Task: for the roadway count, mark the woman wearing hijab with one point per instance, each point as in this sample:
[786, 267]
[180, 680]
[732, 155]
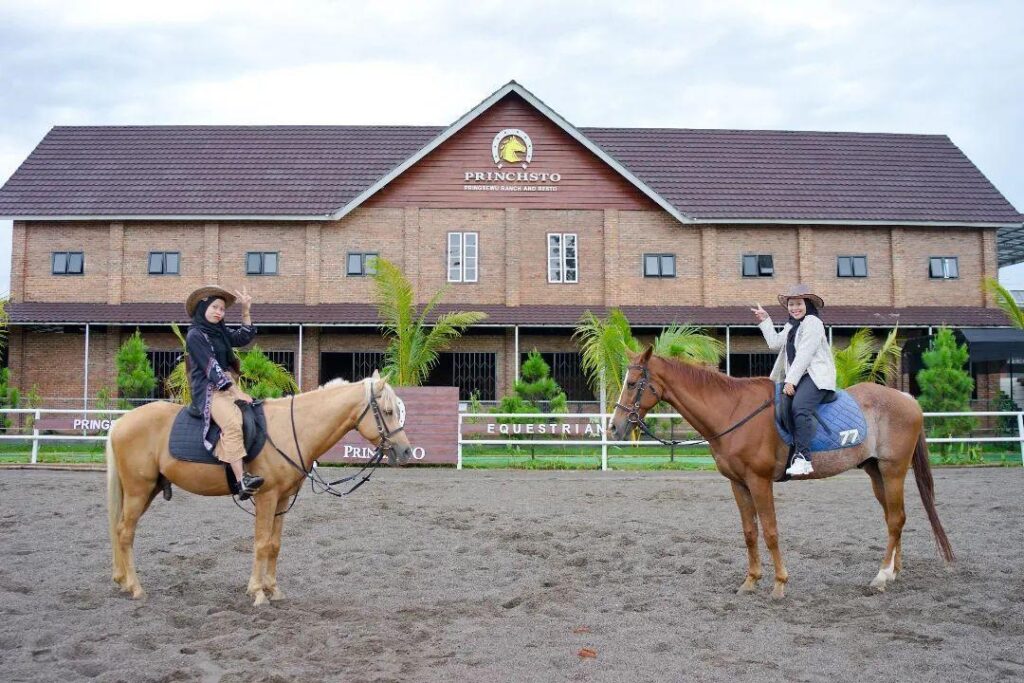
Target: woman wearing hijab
[805, 364]
[214, 371]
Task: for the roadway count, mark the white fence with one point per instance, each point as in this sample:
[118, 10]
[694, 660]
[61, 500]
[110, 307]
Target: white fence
[598, 420]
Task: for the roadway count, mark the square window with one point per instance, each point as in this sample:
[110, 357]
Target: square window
[845, 267]
[952, 269]
[765, 266]
[171, 259]
[370, 264]
[156, 263]
[76, 263]
[355, 264]
[749, 266]
[60, 262]
[668, 265]
[860, 266]
[652, 265]
[758, 265]
[270, 263]
[253, 263]
[944, 267]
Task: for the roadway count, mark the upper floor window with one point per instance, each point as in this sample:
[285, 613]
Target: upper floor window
[68, 263]
[261, 263]
[852, 266]
[758, 265]
[164, 262]
[462, 257]
[943, 267]
[361, 263]
[562, 257]
[659, 265]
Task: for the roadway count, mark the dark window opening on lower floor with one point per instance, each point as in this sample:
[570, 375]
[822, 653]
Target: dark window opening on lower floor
[349, 365]
[749, 364]
[469, 371]
[567, 371]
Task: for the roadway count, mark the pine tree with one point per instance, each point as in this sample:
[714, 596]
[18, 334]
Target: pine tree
[945, 386]
[135, 376]
[9, 396]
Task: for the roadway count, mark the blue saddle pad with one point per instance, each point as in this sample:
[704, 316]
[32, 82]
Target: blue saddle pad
[841, 423]
[186, 441]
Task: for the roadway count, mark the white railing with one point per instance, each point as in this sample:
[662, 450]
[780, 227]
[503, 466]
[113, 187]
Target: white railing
[599, 420]
[604, 419]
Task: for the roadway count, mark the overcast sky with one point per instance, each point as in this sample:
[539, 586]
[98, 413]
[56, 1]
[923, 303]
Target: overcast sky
[953, 67]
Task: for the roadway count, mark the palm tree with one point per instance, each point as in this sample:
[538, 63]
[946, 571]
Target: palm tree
[603, 345]
[1006, 302]
[864, 361]
[413, 346]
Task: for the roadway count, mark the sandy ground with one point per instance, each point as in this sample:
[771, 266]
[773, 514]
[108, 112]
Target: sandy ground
[435, 575]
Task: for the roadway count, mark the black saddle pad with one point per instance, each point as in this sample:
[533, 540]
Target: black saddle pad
[186, 442]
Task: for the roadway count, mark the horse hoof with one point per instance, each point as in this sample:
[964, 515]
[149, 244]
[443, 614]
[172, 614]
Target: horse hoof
[138, 593]
[778, 593]
[878, 584]
[276, 595]
[261, 599]
[749, 586]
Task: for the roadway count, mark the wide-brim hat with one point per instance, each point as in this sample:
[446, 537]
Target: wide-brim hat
[206, 292]
[800, 292]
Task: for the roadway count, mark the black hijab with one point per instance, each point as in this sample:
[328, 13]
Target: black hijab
[791, 339]
[218, 333]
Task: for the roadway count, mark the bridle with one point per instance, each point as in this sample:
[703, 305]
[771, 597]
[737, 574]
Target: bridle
[633, 411]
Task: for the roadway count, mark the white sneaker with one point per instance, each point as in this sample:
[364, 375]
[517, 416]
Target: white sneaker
[801, 466]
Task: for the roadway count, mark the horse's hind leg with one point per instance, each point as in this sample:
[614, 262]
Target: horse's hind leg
[878, 486]
[135, 505]
[748, 514]
[892, 475]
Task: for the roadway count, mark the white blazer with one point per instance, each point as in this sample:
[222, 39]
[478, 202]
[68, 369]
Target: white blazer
[813, 353]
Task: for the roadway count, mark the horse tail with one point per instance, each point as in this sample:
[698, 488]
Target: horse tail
[926, 487]
[115, 494]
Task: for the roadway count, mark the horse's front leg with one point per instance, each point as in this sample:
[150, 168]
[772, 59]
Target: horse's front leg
[266, 504]
[270, 577]
[748, 514]
[764, 502]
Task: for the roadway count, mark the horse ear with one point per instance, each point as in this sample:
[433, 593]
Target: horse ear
[375, 376]
[646, 355]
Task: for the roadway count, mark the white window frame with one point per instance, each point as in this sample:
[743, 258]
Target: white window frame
[463, 263]
[557, 263]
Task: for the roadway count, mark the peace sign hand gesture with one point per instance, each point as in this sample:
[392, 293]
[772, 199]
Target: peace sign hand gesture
[244, 298]
[760, 313]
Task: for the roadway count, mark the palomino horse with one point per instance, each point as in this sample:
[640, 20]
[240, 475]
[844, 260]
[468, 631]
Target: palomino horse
[752, 456]
[138, 461]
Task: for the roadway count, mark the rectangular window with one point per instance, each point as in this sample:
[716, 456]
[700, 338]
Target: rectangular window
[163, 262]
[68, 263]
[563, 261]
[943, 267]
[360, 263]
[463, 257]
[852, 266]
[758, 265]
[659, 265]
[261, 263]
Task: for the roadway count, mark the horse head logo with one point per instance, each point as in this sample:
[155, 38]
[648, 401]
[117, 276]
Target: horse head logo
[512, 146]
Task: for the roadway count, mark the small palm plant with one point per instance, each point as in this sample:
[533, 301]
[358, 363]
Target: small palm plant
[413, 345]
[603, 345]
[864, 361]
[1006, 302]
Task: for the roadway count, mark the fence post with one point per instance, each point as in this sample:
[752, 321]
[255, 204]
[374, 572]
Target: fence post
[458, 464]
[604, 441]
[1020, 435]
[35, 439]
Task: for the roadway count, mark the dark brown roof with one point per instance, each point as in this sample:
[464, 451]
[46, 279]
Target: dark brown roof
[554, 316]
[316, 170]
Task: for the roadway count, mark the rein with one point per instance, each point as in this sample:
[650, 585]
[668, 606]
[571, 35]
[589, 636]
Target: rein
[317, 483]
[633, 412]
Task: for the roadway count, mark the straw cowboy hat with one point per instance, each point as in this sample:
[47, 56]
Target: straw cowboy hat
[800, 292]
[205, 292]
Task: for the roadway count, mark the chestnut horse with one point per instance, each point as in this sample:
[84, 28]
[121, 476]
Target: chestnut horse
[138, 462]
[753, 456]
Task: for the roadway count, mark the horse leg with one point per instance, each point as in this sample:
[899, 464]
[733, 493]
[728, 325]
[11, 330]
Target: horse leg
[266, 504]
[764, 502]
[270, 578]
[135, 505]
[878, 486]
[893, 476]
[748, 513]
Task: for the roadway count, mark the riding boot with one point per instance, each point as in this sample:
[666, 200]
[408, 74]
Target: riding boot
[249, 484]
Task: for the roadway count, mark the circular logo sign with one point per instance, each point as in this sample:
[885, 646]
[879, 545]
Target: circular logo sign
[512, 146]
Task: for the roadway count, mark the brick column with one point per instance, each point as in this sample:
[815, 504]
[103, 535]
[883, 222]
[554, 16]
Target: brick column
[709, 273]
[312, 265]
[611, 257]
[410, 264]
[115, 263]
[19, 252]
[15, 358]
[899, 266]
[310, 358]
[211, 253]
[989, 264]
[805, 254]
[513, 256]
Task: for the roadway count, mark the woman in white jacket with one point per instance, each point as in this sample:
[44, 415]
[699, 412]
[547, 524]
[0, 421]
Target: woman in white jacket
[805, 364]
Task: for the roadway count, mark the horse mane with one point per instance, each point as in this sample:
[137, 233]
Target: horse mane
[694, 373]
[333, 383]
[387, 397]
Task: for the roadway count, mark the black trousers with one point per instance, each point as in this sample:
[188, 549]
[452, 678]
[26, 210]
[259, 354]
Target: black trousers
[798, 413]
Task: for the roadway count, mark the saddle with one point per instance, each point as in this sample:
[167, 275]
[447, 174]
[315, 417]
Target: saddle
[186, 440]
[841, 422]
